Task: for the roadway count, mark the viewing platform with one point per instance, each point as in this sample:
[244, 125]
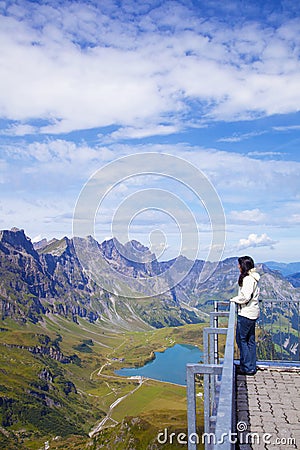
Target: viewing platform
[268, 408]
[260, 412]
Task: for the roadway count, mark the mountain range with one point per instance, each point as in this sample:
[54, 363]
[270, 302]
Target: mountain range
[284, 268]
[48, 278]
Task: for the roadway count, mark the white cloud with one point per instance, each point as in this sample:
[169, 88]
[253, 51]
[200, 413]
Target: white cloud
[287, 128]
[143, 132]
[248, 216]
[19, 130]
[53, 163]
[241, 137]
[239, 179]
[266, 154]
[254, 240]
[80, 66]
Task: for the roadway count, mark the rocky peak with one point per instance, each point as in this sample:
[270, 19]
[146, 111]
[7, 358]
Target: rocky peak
[56, 247]
[40, 245]
[136, 245]
[17, 239]
[137, 252]
[110, 248]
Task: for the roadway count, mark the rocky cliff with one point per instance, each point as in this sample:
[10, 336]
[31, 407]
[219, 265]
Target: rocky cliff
[51, 280]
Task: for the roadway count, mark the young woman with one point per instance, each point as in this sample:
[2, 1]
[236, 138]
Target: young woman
[248, 312]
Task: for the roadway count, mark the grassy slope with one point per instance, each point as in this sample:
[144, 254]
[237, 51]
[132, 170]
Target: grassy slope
[156, 405]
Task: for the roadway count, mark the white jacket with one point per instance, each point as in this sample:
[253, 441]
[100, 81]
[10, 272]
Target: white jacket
[247, 298]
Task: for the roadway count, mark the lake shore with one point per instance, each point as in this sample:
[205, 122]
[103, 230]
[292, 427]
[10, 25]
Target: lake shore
[167, 366]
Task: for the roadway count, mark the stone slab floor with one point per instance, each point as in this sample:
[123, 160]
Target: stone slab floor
[268, 409]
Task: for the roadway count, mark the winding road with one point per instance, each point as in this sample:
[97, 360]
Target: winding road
[101, 424]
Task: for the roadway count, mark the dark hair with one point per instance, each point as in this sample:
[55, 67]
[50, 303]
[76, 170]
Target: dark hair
[246, 263]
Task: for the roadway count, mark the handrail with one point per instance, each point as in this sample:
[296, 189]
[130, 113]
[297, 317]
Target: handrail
[225, 423]
[219, 393]
[224, 409]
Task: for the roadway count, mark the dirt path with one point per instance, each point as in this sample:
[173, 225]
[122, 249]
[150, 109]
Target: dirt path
[101, 424]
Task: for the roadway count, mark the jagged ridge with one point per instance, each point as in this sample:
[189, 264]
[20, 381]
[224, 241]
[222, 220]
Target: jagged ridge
[51, 280]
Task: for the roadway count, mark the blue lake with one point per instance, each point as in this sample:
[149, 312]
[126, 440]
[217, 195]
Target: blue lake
[169, 365]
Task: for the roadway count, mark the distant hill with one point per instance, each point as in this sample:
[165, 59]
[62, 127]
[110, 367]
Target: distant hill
[294, 279]
[284, 268]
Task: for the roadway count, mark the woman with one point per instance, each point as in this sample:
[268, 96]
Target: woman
[248, 312]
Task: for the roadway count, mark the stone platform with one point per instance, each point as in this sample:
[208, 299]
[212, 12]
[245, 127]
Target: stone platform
[268, 409]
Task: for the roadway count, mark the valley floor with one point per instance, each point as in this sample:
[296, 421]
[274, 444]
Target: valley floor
[84, 403]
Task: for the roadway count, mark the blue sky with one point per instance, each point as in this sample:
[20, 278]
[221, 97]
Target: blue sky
[214, 83]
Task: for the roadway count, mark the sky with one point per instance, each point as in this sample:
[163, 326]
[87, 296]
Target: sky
[211, 88]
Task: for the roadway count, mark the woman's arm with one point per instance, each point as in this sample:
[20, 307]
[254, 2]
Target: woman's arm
[245, 292]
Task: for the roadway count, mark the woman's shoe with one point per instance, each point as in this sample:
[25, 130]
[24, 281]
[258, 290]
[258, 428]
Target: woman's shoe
[241, 372]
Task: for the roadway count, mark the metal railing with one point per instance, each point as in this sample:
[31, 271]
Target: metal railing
[279, 322]
[278, 330]
[219, 389]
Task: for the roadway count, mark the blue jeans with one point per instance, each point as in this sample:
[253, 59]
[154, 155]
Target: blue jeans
[245, 339]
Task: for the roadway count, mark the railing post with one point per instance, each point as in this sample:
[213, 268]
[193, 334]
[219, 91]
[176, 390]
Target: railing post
[216, 344]
[206, 403]
[191, 370]
[191, 406]
[226, 411]
[298, 348]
